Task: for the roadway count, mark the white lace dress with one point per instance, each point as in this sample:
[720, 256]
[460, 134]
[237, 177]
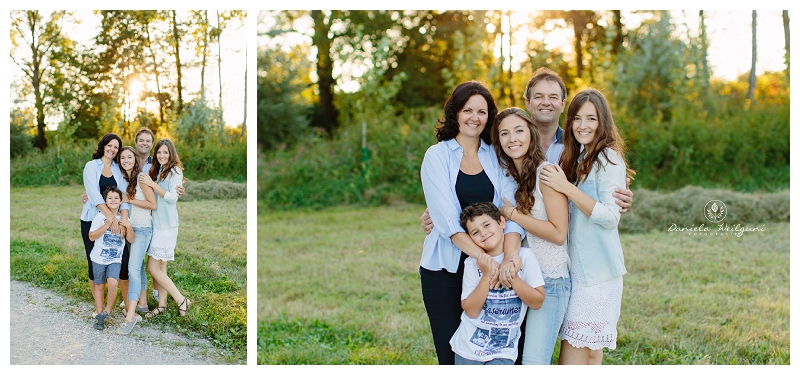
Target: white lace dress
[592, 312]
[553, 259]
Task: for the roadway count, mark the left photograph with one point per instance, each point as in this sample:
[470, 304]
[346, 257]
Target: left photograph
[128, 198]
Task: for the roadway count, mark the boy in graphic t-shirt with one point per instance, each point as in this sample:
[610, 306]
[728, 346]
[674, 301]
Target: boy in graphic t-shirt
[106, 255]
[490, 324]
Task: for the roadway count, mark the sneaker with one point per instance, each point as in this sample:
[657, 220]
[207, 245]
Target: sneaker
[142, 309]
[126, 327]
[100, 321]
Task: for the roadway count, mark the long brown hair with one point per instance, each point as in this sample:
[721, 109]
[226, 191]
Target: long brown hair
[526, 178]
[133, 177]
[174, 161]
[606, 136]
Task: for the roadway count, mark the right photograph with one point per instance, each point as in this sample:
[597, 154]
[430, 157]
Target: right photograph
[506, 187]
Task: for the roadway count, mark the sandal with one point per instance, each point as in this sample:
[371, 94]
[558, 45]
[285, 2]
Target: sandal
[152, 313]
[184, 311]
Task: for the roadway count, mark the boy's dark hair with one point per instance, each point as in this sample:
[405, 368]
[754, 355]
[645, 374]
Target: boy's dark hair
[477, 209]
[111, 189]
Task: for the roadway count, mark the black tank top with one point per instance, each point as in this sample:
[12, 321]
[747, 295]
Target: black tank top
[105, 182]
[473, 188]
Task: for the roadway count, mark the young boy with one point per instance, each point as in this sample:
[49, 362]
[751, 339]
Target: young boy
[490, 324]
[106, 255]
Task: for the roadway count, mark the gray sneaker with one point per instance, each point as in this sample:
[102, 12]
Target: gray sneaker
[126, 327]
[100, 321]
[142, 309]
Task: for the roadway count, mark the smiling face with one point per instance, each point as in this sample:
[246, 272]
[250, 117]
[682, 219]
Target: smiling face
[110, 149]
[514, 136]
[545, 104]
[127, 159]
[487, 233]
[162, 154]
[473, 116]
[585, 123]
[113, 200]
[144, 143]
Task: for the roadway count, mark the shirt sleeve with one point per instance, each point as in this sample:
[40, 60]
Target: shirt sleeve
[91, 185]
[472, 276]
[175, 180]
[531, 271]
[609, 177]
[442, 204]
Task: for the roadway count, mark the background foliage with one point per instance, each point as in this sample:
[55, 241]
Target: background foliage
[681, 126]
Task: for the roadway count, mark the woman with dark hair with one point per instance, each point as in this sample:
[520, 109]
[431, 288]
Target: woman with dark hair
[98, 174]
[459, 170]
[166, 174]
[593, 165]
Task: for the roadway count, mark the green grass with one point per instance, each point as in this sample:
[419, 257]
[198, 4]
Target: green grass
[341, 286]
[210, 262]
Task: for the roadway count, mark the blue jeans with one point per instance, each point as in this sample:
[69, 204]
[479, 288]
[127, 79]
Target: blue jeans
[543, 325]
[497, 361]
[136, 271]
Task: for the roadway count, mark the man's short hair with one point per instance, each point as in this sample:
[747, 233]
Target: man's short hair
[477, 209]
[544, 74]
[144, 130]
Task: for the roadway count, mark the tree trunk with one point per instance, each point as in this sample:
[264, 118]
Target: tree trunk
[616, 47]
[159, 96]
[327, 115]
[177, 41]
[205, 58]
[578, 28]
[752, 88]
[244, 121]
[786, 37]
[219, 71]
[704, 71]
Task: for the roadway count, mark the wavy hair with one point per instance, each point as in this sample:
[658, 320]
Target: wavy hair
[606, 136]
[449, 124]
[132, 177]
[174, 161]
[526, 177]
[98, 152]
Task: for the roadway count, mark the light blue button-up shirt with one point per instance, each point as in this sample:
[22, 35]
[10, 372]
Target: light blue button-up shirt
[91, 183]
[439, 172]
[166, 213]
[553, 153]
[594, 240]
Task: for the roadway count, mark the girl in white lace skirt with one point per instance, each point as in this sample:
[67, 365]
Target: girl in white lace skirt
[593, 164]
[166, 174]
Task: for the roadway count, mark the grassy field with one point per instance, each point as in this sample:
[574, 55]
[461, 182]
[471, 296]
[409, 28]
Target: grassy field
[210, 263]
[341, 286]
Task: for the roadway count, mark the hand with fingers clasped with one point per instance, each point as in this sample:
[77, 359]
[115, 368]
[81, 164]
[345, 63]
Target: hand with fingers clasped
[145, 179]
[508, 270]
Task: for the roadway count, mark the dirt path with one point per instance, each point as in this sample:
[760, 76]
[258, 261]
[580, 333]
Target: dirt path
[48, 329]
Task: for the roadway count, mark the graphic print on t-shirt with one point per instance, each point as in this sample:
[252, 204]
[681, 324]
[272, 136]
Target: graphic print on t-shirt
[501, 310]
[112, 247]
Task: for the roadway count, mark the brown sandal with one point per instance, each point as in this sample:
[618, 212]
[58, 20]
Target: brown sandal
[184, 311]
[152, 313]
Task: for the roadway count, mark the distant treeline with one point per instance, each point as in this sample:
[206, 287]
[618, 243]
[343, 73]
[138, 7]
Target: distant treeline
[62, 165]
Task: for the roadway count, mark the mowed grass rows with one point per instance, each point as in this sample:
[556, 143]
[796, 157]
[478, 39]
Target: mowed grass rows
[210, 264]
[341, 286]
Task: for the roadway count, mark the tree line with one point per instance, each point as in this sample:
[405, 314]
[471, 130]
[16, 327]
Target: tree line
[86, 86]
[649, 67]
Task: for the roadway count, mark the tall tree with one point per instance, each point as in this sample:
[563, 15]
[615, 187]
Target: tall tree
[177, 36]
[786, 38]
[40, 35]
[327, 113]
[752, 86]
